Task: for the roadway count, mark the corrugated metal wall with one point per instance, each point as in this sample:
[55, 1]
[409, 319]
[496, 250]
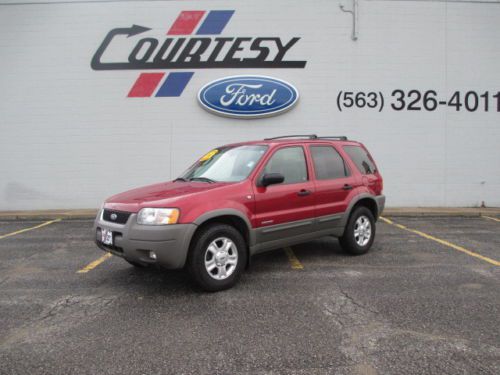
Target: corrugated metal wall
[70, 137]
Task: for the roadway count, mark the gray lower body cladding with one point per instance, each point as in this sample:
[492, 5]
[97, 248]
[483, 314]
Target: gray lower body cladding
[280, 235]
[135, 242]
[171, 242]
[287, 234]
[380, 199]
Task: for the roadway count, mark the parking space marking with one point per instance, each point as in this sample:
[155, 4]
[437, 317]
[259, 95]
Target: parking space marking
[30, 228]
[95, 263]
[443, 242]
[491, 218]
[294, 262]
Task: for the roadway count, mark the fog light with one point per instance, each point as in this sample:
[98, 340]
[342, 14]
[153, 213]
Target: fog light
[152, 255]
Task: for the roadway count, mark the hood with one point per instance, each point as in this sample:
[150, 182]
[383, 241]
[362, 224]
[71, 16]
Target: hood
[157, 195]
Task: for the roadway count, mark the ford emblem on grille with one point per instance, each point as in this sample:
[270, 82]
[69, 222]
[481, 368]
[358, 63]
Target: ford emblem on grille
[113, 216]
[248, 96]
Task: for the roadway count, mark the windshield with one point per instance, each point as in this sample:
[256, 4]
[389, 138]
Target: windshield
[226, 164]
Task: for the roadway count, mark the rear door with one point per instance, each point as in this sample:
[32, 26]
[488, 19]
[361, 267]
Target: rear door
[285, 210]
[333, 182]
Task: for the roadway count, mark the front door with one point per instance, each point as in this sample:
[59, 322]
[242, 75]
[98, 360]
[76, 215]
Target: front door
[285, 210]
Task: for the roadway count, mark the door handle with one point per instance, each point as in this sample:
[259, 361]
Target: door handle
[347, 187]
[303, 192]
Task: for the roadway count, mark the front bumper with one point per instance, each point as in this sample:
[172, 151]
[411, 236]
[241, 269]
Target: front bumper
[134, 241]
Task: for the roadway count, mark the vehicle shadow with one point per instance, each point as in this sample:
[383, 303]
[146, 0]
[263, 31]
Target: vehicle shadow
[150, 281]
[153, 280]
[323, 249]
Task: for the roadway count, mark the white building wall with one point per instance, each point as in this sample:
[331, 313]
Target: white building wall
[70, 137]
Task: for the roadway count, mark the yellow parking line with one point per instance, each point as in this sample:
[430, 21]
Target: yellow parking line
[294, 262]
[95, 263]
[443, 242]
[491, 218]
[31, 228]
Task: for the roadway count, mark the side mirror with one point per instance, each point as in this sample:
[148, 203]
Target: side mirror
[272, 178]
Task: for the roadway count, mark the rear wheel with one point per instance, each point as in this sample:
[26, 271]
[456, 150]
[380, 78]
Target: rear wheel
[359, 232]
[217, 258]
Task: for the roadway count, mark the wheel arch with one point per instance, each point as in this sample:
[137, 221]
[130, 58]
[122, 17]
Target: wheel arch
[231, 217]
[365, 200]
[369, 203]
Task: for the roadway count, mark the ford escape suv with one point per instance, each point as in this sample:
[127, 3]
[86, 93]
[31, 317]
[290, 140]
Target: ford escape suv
[242, 199]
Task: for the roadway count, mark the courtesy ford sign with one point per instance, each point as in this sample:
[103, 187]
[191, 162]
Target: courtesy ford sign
[248, 96]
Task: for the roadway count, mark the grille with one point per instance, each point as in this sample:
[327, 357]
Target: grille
[121, 217]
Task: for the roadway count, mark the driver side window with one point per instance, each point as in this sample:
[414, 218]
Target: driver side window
[290, 162]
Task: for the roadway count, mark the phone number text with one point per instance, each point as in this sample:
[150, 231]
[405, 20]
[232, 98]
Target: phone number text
[416, 100]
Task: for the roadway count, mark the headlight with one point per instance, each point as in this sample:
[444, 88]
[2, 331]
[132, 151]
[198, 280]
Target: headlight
[158, 216]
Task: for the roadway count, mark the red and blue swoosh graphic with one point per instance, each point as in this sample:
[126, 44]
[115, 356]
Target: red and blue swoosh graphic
[191, 22]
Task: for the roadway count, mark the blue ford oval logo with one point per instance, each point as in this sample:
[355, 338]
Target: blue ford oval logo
[248, 96]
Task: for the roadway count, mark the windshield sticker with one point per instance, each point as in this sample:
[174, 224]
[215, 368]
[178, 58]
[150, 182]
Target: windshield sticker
[209, 155]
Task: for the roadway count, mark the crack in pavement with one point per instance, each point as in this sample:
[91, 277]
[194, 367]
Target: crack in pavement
[365, 334]
[57, 318]
[350, 298]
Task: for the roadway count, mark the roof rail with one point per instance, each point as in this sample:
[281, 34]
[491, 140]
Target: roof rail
[307, 136]
[339, 137]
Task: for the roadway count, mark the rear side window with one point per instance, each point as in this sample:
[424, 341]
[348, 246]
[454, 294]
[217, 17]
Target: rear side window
[361, 158]
[328, 164]
[290, 162]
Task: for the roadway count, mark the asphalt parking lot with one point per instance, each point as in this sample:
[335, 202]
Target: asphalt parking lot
[425, 300]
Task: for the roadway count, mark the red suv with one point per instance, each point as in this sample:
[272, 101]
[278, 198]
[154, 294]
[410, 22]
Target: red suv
[242, 199]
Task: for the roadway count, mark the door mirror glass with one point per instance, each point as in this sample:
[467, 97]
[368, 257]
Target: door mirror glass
[272, 178]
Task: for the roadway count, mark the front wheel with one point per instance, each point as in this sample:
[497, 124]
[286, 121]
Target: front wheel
[359, 232]
[218, 257]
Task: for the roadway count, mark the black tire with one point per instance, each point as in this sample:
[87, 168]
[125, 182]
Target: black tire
[137, 264]
[351, 242]
[200, 254]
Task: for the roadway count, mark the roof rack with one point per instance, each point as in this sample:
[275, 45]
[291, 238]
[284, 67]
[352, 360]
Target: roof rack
[308, 136]
[339, 137]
